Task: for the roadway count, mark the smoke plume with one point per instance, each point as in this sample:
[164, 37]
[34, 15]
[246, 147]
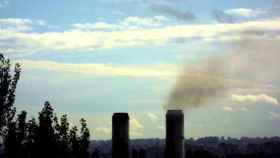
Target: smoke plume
[247, 68]
[250, 68]
[199, 84]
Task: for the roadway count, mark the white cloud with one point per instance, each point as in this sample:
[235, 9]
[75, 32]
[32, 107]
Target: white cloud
[83, 40]
[228, 108]
[135, 124]
[255, 98]
[103, 130]
[95, 26]
[244, 12]
[235, 108]
[18, 24]
[128, 23]
[136, 127]
[153, 117]
[161, 71]
[139, 22]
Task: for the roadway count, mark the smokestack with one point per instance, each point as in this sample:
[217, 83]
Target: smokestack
[174, 142]
[120, 135]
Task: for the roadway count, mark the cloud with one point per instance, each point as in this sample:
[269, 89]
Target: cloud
[228, 108]
[83, 40]
[128, 23]
[139, 22]
[245, 12]
[20, 25]
[238, 15]
[161, 71]
[103, 130]
[135, 124]
[222, 17]
[136, 127]
[95, 26]
[153, 117]
[4, 3]
[234, 108]
[168, 10]
[255, 98]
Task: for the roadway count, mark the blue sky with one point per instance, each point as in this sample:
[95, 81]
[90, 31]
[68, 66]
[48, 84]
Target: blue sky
[92, 58]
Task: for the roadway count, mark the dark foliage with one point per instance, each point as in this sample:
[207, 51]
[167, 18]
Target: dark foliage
[50, 137]
[8, 83]
[47, 138]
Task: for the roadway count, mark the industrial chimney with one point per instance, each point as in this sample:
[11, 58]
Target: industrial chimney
[120, 135]
[174, 142]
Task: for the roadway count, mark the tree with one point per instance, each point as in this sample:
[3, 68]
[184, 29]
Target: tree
[16, 133]
[84, 140]
[11, 145]
[21, 134]
[63, 137]
[45, 140]
[21, 126]
[74, 142]
[31, 138]
[8, 83]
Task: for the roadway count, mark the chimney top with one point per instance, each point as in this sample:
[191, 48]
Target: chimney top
[175, 112]
[120, 115]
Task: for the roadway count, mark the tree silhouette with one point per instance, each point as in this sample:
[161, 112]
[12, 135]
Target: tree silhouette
[45, 139]
[84, 142]
[8, 83]
[74, 142]
[49, 138]
[21, 133]
[11, 146]
[31, 138]
[64, 133]
[62, 136]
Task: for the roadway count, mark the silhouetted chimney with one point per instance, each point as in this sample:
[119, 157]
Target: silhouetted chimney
[174, 142]
[120, 135]
[135, 153]
[142, 153]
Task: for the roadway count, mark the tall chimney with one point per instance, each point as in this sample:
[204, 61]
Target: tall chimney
[120, 135]
[174, 142]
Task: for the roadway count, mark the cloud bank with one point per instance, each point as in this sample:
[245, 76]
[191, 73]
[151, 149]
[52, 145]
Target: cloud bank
[160, 71]
[262, 98]
[80, 40]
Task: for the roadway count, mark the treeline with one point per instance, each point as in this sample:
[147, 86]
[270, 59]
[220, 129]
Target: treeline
[45, 137]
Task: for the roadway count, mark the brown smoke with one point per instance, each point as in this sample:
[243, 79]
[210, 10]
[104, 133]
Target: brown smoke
[199, 83]
[250, 67]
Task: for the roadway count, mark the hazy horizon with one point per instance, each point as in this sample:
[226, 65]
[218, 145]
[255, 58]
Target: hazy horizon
[217, 60]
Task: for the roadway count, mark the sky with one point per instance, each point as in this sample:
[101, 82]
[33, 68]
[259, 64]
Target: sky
[216, 60]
